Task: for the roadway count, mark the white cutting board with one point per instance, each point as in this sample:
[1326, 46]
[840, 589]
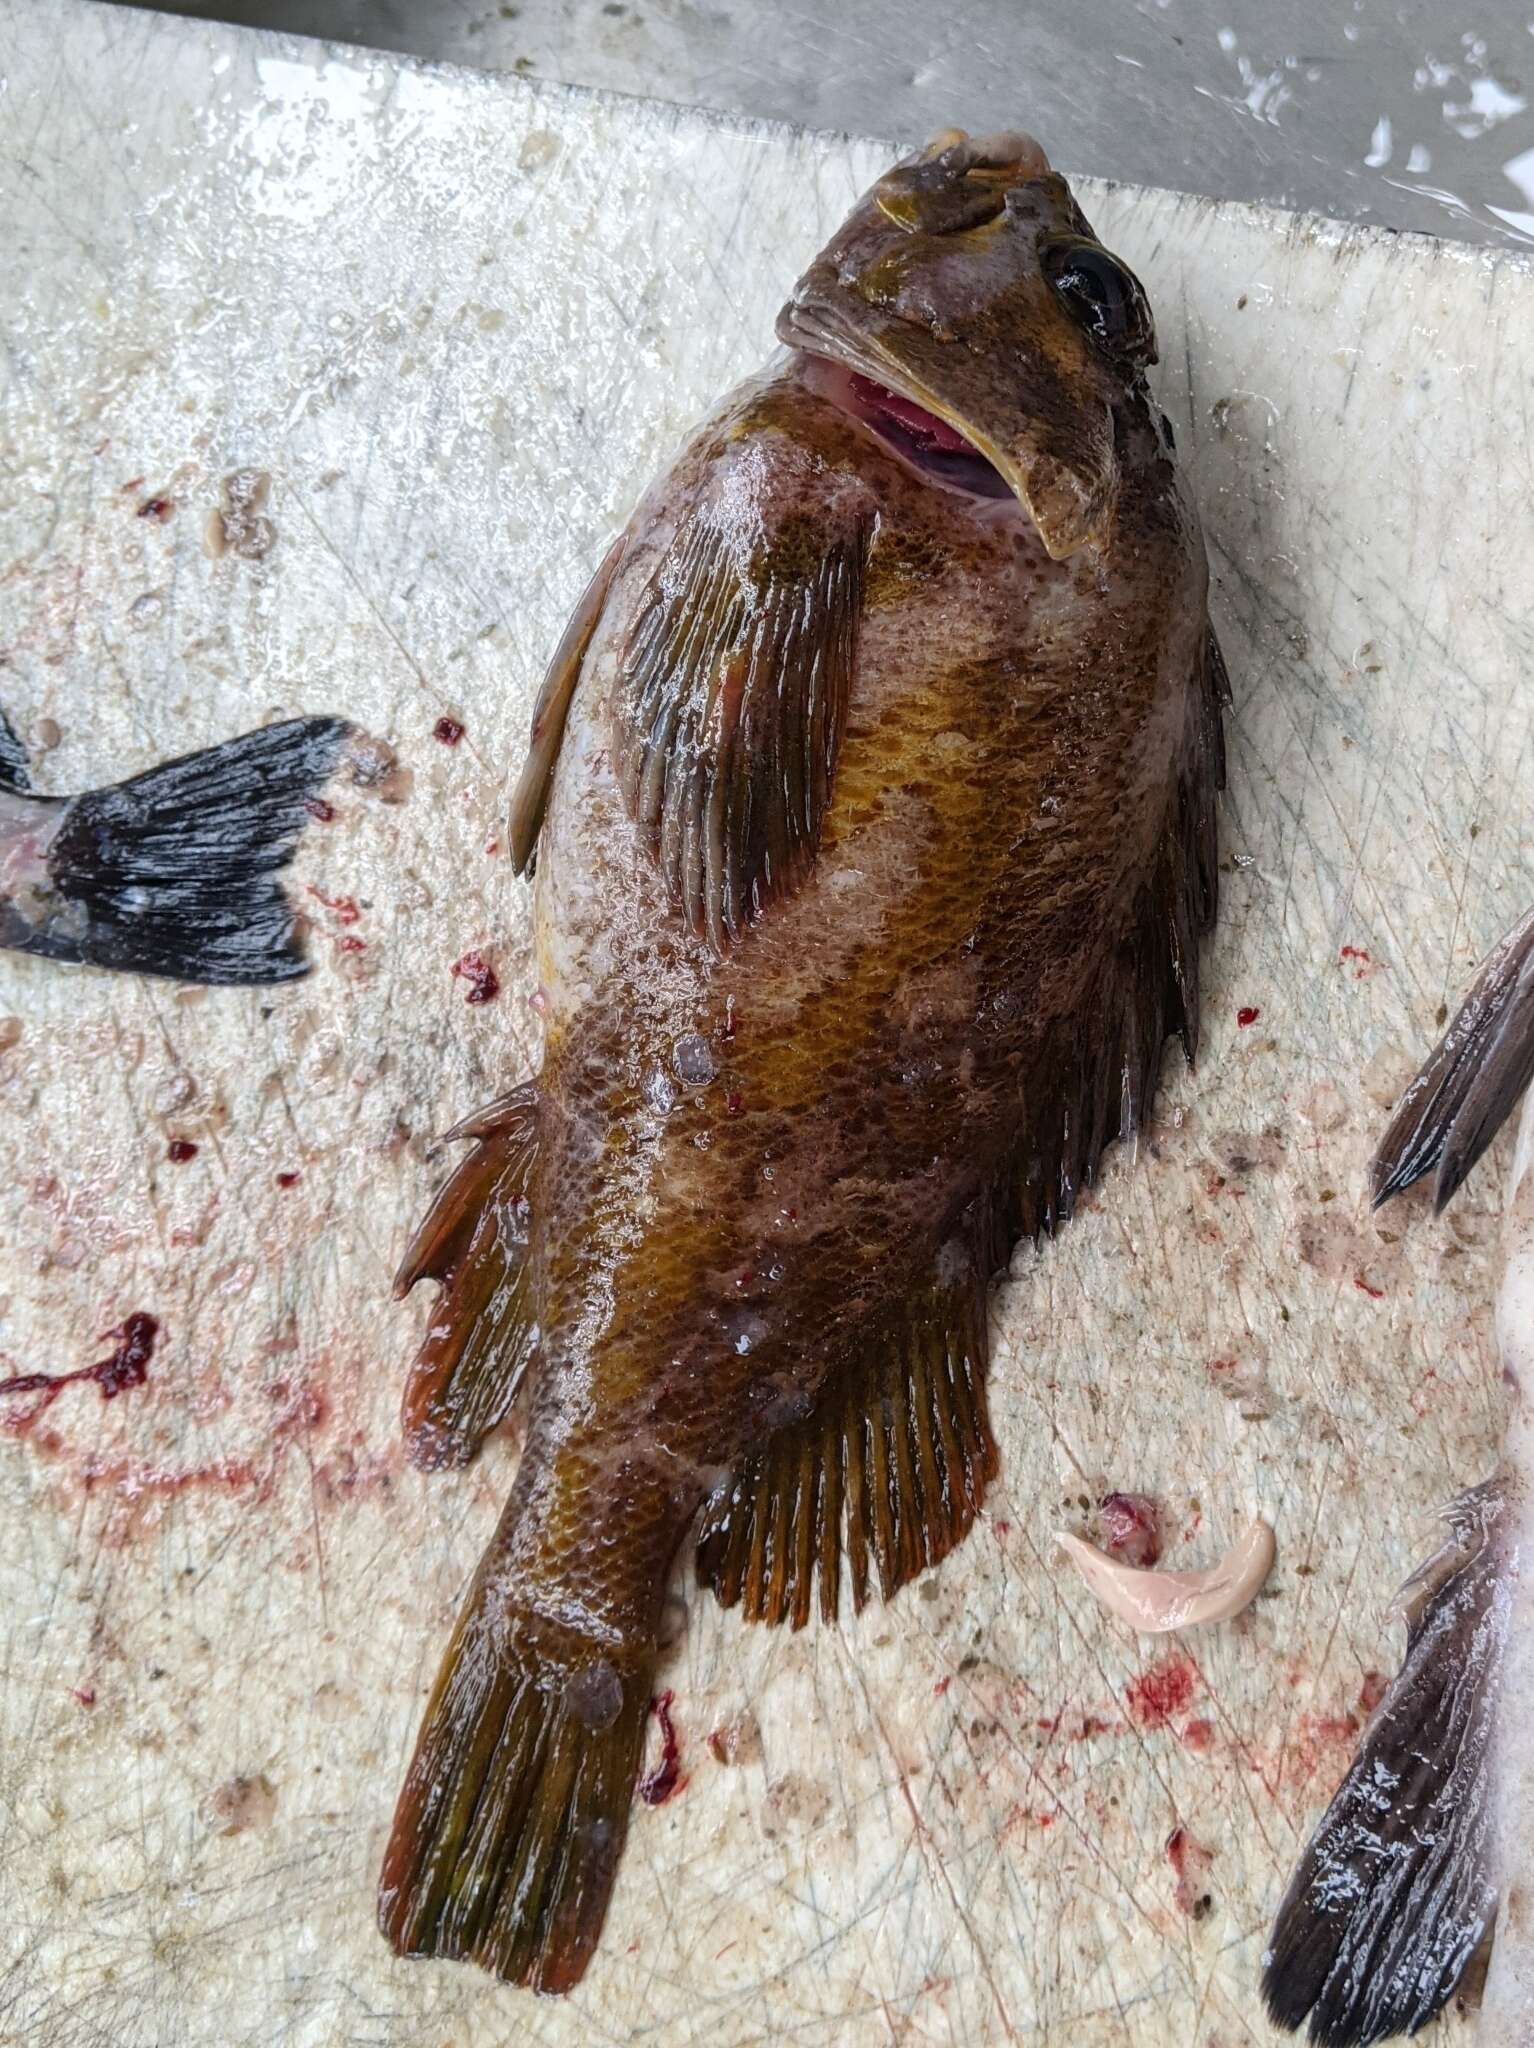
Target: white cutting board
[459, 321]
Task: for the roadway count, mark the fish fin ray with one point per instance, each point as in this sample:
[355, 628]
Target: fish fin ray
[891, 1465]
[174, 872]
[14, 773]
[729, 710]
[1394, 1893]
[1469, 1083]
[551, 712]
[482, 1333]
[512, 1817]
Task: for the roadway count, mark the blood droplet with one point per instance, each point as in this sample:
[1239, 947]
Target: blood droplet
[180, 1150]
[448, 731]
[476, 970]
[666, 1778]
[1247, 1014]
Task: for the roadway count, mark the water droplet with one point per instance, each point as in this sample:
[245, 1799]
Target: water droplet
[693, 1058]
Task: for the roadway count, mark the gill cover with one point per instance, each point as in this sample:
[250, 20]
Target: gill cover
[969, 281]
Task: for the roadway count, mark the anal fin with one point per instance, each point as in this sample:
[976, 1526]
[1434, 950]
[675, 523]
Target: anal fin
[893, 1462]
[474, 1242]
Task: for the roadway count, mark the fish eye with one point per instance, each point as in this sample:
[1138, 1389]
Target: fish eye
[1102, 296]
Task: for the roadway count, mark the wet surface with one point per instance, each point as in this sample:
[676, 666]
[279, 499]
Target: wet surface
[457, 323]
[1407, 113]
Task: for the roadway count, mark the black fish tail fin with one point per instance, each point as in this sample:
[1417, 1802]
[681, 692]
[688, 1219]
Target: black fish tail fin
[1394, 1892]
[482, 1332]
[174, 871]
[1471, 1079]
[512, 1818]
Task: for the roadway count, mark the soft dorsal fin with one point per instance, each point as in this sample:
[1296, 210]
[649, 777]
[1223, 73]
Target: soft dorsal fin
[731, 701]
[900, 1450]
[551, 709]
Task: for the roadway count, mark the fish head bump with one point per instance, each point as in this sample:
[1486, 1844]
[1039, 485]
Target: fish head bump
[969, 282]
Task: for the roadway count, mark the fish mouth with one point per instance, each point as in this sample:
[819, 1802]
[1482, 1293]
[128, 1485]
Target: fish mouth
[934, 439]
[940, 450]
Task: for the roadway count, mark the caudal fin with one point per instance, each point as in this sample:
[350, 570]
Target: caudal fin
[512, 1819]
[1470, 1080]
[174, 872]
[1395, 1892]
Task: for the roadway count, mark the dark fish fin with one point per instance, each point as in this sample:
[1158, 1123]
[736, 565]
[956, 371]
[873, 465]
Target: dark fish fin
[174, 872]
[1471, 1079]
[729, 709]
[473, 1241]
[1394, 1893]
[900, 1451]
[511, 1820]
[1095, 1079]
[551, 709]
[13, 757]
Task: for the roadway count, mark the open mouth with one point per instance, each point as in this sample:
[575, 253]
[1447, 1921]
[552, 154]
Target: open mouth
[928, 443]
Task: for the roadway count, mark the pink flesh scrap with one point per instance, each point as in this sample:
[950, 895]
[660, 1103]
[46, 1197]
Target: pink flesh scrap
[1159, 1602]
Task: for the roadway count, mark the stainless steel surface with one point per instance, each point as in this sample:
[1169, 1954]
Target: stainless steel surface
[1413, 115]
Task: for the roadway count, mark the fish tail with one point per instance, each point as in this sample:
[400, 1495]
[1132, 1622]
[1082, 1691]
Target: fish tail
[512, 1819]
[174, 871]
[1469, 1082]
[1395, 1891]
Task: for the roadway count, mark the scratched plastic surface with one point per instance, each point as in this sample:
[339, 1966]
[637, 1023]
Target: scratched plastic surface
[457, 322]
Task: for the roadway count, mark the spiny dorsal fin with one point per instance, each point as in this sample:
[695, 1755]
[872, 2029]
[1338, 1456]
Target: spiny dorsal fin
[898, 1452]
[474, 1242]
[731, 701]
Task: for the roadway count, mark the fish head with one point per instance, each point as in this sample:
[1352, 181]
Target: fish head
[978, 314]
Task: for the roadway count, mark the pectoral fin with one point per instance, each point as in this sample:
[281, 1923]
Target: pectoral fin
[730, 706]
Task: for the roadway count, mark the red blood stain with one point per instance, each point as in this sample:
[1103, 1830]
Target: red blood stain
[85, 1694]
[942, 1686]
[351, 945]
[492, 846]
[732, 1103]
[1247, 1014]
[1131, 1527]
[345, 907]
[1374, 1293]
[1162, 1691]
[1190, 1863]
[180, 1150]
[1198, 1735]
[1372, 1691]
[158, 509]
[126, 1365]
[666, 1778]
[1366, 960]
[317, 807]
[289, 1180]
[134, 483]
[448, 730]
[476, 970]
[1003, 1529]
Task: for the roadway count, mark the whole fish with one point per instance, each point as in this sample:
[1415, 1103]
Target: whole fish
[1429, 1842]
[873, 790]
[174, 871]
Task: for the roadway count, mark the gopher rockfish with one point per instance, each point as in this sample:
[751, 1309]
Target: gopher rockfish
[872, 789]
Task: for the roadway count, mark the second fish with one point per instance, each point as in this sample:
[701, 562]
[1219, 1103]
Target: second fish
[873, 795]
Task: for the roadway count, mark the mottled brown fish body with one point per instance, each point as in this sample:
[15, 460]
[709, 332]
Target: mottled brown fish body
[877, 830]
